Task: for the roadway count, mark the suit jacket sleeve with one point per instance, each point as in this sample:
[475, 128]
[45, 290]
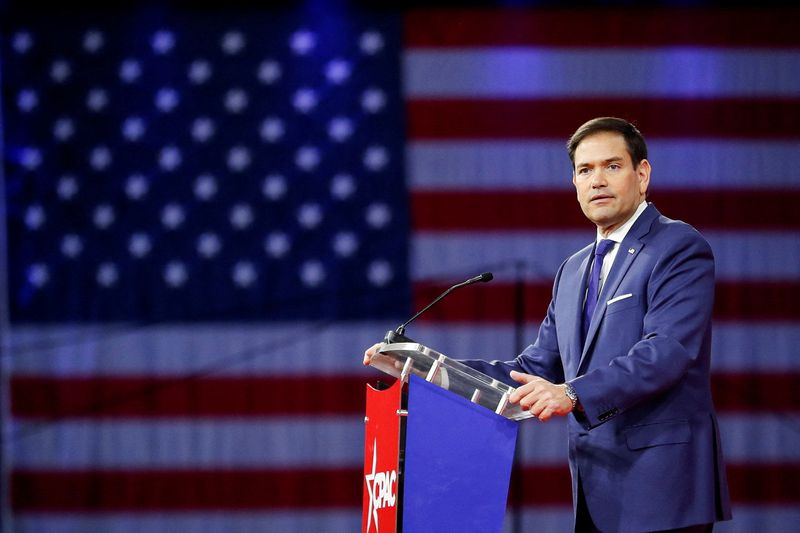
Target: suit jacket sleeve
[676, 316]
[540, 358]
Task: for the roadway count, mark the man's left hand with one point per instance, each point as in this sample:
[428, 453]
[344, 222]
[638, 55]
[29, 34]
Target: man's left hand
[542, 398]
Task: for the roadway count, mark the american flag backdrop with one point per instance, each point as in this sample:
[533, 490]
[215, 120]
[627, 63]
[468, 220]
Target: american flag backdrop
[209, 216]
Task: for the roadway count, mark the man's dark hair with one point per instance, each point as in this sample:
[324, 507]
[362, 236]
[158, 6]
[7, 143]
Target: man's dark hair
[637, 148]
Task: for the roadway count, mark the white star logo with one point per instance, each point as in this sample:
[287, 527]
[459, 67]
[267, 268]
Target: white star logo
[369, 478]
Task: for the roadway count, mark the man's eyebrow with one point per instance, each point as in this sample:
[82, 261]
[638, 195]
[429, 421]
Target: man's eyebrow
[604, 162]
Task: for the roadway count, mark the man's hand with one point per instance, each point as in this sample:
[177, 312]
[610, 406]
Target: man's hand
[542, 398]
[370, 353]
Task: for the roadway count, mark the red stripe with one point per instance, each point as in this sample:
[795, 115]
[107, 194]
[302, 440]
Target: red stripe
[751, 484]
[130, 397]
[184, 490]
[558, 209]
[728, 118]
[606, 27]
[180, 490]
[754, 300]
[104, 396]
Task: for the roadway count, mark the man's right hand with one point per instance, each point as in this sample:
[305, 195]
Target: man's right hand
[370, 353]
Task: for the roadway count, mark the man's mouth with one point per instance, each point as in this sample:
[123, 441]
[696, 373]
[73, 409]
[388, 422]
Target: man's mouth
[598, 197]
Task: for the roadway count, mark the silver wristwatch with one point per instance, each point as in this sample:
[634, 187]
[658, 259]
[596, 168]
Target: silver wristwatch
[570, 392]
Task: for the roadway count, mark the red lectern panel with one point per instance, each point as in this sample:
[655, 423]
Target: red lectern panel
[381, 456]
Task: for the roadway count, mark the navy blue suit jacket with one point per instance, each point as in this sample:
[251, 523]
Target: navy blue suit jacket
[646, 446]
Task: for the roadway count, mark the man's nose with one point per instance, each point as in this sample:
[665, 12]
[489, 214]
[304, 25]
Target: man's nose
[598, 180]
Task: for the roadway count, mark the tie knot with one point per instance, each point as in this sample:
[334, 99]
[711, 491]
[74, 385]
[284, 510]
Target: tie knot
[603, 247]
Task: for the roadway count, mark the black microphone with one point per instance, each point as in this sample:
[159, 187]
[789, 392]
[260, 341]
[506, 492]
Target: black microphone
[397, 335]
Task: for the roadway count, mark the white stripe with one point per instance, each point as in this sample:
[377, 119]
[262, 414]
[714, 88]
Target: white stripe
[209, 349]
[565, 72]
[544, 164]
[305, 521]
[322, 442]
[181, 350]
[277, 442]
[746, 519]
[536, 255]
[551, 519]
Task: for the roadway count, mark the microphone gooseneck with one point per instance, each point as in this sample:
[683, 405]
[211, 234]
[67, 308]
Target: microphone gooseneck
[482, 278]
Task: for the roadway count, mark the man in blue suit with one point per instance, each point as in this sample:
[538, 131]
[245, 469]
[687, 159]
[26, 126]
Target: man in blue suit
[624, 352]
[644, 447]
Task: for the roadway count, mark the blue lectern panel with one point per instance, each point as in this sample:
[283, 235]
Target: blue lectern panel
[457, 463]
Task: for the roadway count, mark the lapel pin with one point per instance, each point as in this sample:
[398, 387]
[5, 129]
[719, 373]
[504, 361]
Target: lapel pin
[631, 251]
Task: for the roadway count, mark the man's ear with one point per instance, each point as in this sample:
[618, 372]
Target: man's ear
[643, 173]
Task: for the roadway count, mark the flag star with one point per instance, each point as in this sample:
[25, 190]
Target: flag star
[272, 129]
[342, 186]
[172, 216]
[379, 272]
[167, 99]
[340, 129]
[378, 215]
[208, 245]
[337, 71]
[38, 275]
[130, 70]
[302, 42]
[371, 42]
[175, 274]
[67, 187]
[269, 71]
[63, 129]
[169, 158]
[133, 129]
[233, 42]
[241, 216]
[30, 158]
[136, 187]
[307, 158]
[199, 71]
[312, 273]
[71, 246]
[244, 274]
[22, 42]
[163, 41]
[236, 100]
[205, 187]
[93, 41]
[35, 217]
[139, 245]
[277, 244]
[305, 100]
[107, 275]
[203, 129]
[345, 243]
[97, 99]
[238, 158]
[103, 216]
[100, 158]
[376, 158]
[373, 100]
[309, 215]
[274, 187]
[60, 71]
[27, 100]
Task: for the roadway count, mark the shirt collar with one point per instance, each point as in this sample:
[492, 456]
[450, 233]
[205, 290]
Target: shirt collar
[619, 234]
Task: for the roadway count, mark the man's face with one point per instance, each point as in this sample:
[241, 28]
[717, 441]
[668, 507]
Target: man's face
[609, 187]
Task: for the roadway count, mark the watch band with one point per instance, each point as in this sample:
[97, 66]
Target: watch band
[570, 392]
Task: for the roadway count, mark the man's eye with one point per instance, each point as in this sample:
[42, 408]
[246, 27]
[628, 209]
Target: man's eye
[583, 170]
[614, 166]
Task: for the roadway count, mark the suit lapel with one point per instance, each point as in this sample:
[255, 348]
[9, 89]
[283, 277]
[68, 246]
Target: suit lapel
[629, 249]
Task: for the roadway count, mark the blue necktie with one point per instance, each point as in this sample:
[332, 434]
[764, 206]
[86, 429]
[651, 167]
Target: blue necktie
[594, 282]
